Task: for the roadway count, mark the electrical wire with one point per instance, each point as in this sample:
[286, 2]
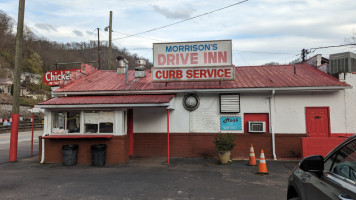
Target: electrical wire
[141, 37]
[312, 50]
[165, 26]
[262, 52]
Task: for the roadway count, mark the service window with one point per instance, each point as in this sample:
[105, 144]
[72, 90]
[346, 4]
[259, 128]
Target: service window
[58, 125]
[66, 122]
[98, 121]
[73, 122]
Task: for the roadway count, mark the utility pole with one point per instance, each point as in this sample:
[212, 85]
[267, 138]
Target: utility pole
[17, 77]
[99, 48]
[110, 50]
[303, 54]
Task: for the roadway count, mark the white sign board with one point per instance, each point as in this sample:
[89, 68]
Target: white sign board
[167, 74]
[193, 54]
[204, 122]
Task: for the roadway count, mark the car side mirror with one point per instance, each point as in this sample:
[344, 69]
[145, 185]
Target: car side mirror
[313, 164]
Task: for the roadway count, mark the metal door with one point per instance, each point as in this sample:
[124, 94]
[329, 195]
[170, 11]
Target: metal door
[317, 121]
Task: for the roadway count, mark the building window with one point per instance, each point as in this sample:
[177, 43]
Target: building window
[94, 122]
[73, 122]
[229, 103]
[66, 122]
[98, 121]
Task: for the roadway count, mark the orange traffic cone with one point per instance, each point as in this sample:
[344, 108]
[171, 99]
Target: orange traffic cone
[262, 167]
[252, 161]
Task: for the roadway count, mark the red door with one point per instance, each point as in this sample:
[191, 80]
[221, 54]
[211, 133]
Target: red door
[317, 121]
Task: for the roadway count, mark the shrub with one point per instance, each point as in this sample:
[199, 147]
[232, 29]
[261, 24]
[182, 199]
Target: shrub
[224, 142]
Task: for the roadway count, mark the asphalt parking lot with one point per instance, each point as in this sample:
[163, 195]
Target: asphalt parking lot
[144, 178]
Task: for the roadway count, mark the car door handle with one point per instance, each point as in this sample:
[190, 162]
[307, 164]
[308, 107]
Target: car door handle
[344, 197]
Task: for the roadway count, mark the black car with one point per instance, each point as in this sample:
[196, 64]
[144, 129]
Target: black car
[331, 178]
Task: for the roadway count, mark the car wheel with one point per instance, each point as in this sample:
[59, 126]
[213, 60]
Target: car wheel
[295, 198]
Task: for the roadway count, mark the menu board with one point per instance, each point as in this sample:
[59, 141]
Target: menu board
[107, 117]
[91, 118]
[204, 122]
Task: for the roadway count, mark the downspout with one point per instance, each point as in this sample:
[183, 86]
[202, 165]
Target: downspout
[44, 134]
[43, 149]
[271, 115]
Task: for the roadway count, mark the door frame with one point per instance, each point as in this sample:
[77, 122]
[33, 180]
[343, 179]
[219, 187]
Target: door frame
[328, 117]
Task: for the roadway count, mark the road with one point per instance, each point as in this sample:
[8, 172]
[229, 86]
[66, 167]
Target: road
[23, 146]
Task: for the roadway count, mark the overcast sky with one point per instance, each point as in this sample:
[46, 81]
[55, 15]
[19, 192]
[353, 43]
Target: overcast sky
[261, 30]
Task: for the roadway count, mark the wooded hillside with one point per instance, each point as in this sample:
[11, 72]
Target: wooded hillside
[41, 55]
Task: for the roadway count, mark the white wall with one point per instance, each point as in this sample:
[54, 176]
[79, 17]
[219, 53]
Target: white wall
[350, 102]
[154, 120]
[289, 112]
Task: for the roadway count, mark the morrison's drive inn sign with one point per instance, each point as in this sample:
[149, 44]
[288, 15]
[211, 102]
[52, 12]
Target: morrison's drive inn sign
[193, 61]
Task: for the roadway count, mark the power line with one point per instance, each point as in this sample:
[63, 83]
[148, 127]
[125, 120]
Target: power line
[305, 52]
[342, 45]
[141, 37]
[262, 52]
[165, 26]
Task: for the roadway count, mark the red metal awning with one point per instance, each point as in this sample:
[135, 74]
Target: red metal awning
[107, 101]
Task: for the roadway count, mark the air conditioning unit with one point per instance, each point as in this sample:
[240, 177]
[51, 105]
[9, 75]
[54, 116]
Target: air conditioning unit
[256, 127]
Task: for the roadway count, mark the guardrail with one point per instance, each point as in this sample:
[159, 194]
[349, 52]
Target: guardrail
[22, 126]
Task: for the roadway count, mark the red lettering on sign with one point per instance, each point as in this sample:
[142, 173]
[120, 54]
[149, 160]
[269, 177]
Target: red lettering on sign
[220, 73]
[222, 57]
[171, 74]
[161, 59]
[212, 58]
[184, 59]
[165, 74]
[170, 59]
[189, 73]
[179, 74]
[228, 73]
[203, 73]
[196, 73]
[194, 58]
[158, 74]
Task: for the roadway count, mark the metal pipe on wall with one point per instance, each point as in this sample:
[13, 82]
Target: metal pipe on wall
[271, 114]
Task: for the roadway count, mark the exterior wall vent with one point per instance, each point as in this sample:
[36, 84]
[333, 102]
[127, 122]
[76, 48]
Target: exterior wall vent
[256, 127]
[229, 103]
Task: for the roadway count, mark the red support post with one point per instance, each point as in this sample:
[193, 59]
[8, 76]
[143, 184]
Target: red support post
[167, 136]
[14, 137]
[33, 126]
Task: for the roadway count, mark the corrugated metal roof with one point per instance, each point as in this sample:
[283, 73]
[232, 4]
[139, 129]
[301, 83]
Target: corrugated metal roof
[269, 76]
[124, 99]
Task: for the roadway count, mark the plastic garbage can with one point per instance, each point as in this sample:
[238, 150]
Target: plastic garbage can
[70, 154]
[98, 154]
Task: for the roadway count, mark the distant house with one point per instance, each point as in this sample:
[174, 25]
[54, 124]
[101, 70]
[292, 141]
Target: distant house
[30, 77]
[5, 87]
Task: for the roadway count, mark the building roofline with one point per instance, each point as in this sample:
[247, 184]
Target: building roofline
[326, 88]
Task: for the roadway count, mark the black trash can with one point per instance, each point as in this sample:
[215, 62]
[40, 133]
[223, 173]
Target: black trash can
[98, 154]
[70, 152]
